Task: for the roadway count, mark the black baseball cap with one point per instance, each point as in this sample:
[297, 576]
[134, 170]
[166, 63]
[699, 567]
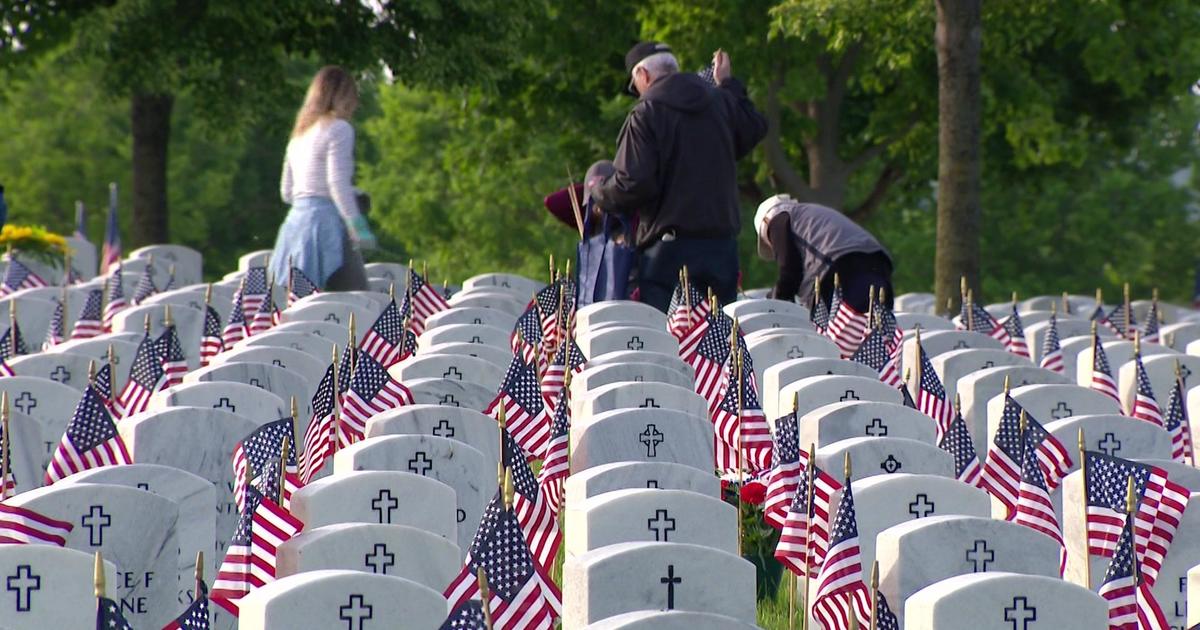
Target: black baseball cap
[638, 53]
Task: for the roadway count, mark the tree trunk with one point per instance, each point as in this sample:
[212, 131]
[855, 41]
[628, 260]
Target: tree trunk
[151, 121]
[959, 39]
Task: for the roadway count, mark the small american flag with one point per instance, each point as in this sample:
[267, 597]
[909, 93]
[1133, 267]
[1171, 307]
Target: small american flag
[885, 619]
[1034, 507]
[846, 325]
[957, 442]
[272, 526]
[8, 487]
[423, 300]
[468, 616]
[211, 343]
[706, 349]
[820, 312]
[931, 396]
[116, 297]
[145, 377]
[235, 329]
[548, 304]
[538, 518]
[873, 353]
[233, 576]
[803, 536]
[90, 441]
[1145, 405]
[145, 286]
[1130, 602]
[12, 342]
[840, 589]
[300, 286]
[1102, 380]
[254, 290]
[174, 364]
[1002, 472]
[684, 315]
[18, 276]
[1015, 334]
[526, 338]
[557, 466]
[384, 340]
[108, 615]
[1160, 508]
[55, 333]
[372, 391]
[521, 595]
[319, 436]
[1177, 424]
[1150, 330]
[22, 526]
[568, 358]
[90, 322]
[1117, 321]
[110, 254]
[1052, 357]
[104, 385]
[262, 449]
[787, 471]
[906, 398]
[196, 615]
[975, 318]
[526, 410]
[747, 433]
[265, 317]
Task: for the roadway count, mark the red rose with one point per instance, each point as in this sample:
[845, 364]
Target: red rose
[754, 492]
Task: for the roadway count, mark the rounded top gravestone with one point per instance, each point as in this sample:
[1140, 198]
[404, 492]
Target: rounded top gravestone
[1004, 601]
[340, 599]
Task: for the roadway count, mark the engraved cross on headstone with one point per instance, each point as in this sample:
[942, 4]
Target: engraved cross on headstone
[662, 525]
[980, 556]
[649, 404]
[443, 429]
[795, 353]
[453, 373]
[1061, 411]
[332, 317]
[849, 395]
[385, 503]
[379, 559]
[962, 343]
[651, 437]
[449, 401]
[61, 375]
[224, 403]
[877, 428]
[989, 364]
[24, 583]
[890, 465]
[1110, 444]
[355, 612]
[25, 402]
[420, 463]
[1020, 614]
[255, 382]
[921, 506]
[670, 580]
[95, 521]
[278, 363]
[635, 343]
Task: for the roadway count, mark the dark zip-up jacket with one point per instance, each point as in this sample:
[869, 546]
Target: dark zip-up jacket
[677, 158]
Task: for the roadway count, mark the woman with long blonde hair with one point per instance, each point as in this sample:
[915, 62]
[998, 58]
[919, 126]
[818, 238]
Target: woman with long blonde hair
[324, 231]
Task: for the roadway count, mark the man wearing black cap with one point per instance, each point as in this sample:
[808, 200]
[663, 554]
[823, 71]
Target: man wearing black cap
[676, 165]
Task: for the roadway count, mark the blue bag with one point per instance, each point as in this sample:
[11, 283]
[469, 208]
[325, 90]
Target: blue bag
[604, 264]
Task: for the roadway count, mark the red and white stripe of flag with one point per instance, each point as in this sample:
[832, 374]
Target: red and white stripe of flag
[68, 461]
[273, 526]
[1036, 511]
[840, 589]
[356, 410]
[22, 526]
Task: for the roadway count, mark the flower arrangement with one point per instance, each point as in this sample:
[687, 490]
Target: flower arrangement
[758, 538]
[34, 241]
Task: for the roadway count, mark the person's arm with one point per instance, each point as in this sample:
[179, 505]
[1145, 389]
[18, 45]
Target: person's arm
[787, 255]
[635, 183]
[749, 126]
[339, 173]
[285, 182]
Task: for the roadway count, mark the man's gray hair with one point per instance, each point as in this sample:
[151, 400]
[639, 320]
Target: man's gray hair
[659, 65]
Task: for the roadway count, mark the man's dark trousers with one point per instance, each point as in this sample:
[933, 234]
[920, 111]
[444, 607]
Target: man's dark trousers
[711, 263]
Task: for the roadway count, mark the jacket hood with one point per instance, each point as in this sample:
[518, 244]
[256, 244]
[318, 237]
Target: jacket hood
[685, 91]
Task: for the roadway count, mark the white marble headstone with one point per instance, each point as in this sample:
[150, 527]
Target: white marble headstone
[341, 599]
[592, 378]
[670, 620]
[865, 418]
[464, 333]
[621, 475]
[814, 392]
[48, 587]
[774, 377]
[472, 315]
[650, 515]
[68, 368]
[451, 367]
[651, 435]
[255, 404]
[872, 456]
[643, 395]
[408, 552]
[457, 423]
[451, 393]
[48, 403]
[1004, 601]
[379, 497]
[316, 347]
[620, 311]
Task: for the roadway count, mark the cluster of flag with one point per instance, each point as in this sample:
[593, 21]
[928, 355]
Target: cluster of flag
[1010, 331]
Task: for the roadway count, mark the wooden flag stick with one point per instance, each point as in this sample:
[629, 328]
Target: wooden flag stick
[98, 575]
[112, 371]
[1128, 314]
[1066, 304]
[481, 577]
[970, 309]
[1130, 506]
[283, 460]
[502, 423]
[810, 478]
[199, 573]
[791, 600]
[4, 433]
[874, 595]
[736, 349]
[574, 202]
[12, 328]
[1087, 557]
